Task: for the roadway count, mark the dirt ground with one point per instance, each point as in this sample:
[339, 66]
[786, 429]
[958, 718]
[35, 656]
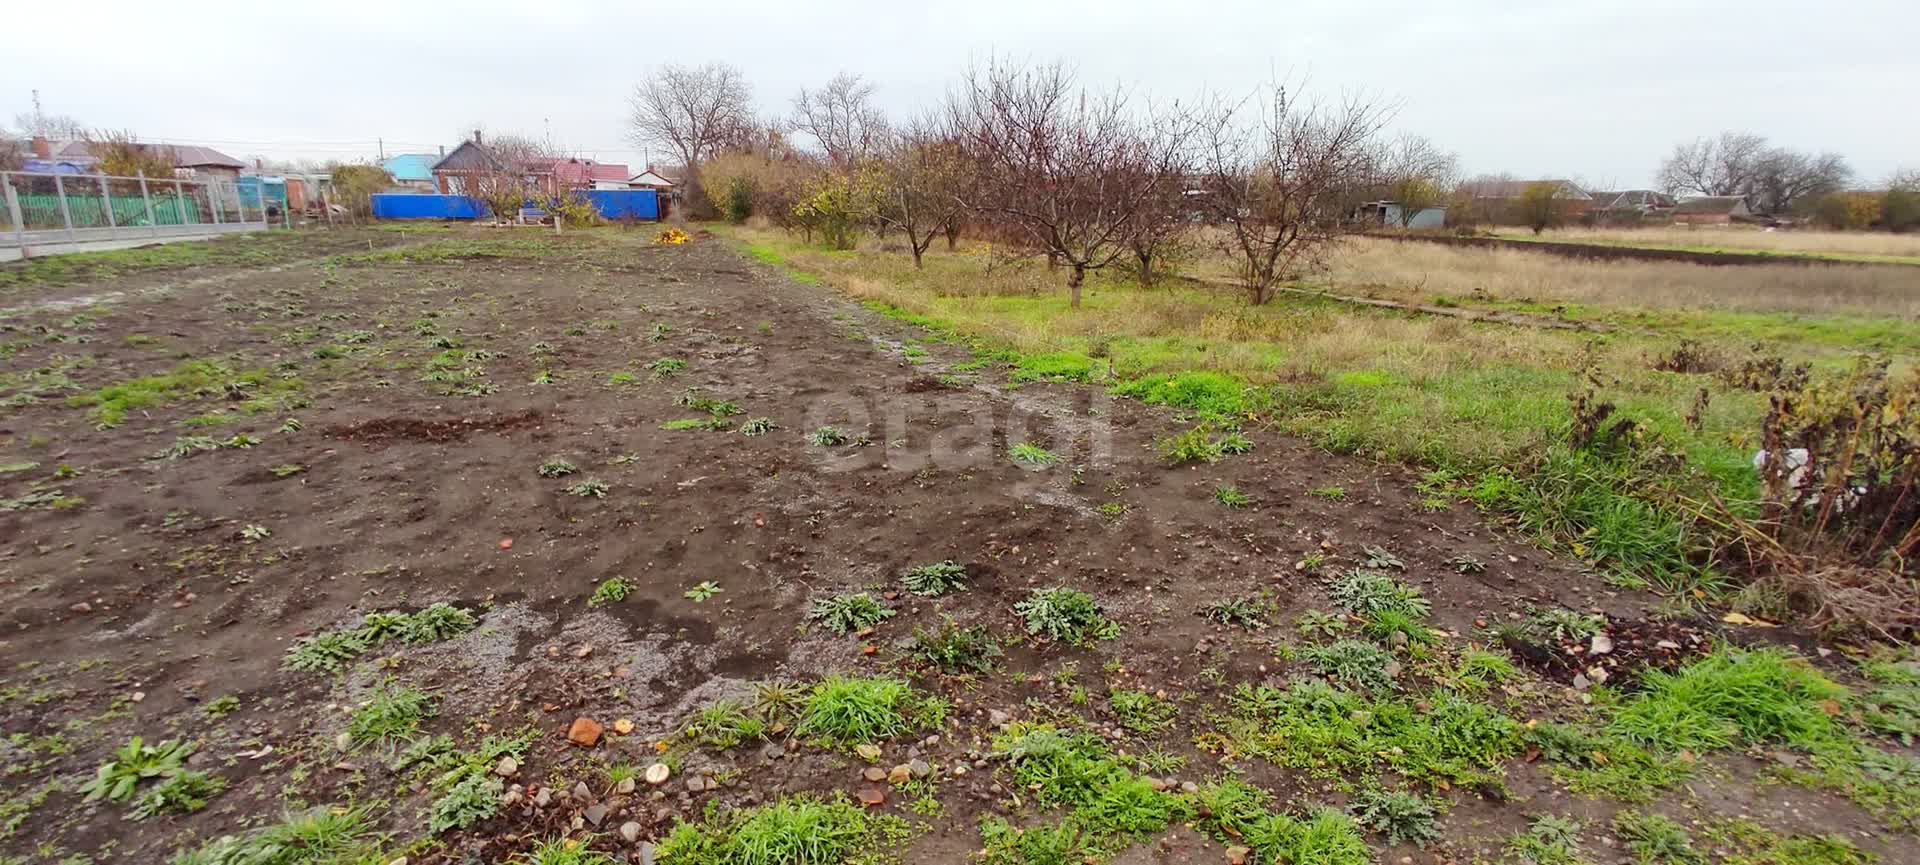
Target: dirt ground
[158, 586]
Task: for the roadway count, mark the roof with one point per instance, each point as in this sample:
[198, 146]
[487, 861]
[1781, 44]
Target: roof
[584, 171]
[650, 177]
[1515, 188]
[184, 155]
[467, 157]
[1712, 204]
[411, 166]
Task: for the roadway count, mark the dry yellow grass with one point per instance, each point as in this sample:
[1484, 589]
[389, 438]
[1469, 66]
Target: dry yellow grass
[1423, 271]
[1744, 237]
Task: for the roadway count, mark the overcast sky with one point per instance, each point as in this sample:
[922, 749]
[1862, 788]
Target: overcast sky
[1597, 90]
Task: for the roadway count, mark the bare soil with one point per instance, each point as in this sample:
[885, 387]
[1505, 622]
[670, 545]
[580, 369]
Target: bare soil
[127, 614]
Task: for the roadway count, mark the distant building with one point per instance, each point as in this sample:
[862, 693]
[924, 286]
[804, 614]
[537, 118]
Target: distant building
[1498, 200]
[650, 179]
[190, 161]
[1712, 210]
[1387, 214]
[412, 170]
[1631, 205]
[588, 174]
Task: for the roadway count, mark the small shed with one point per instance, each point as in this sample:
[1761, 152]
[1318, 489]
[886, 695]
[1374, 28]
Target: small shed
[1387, 214]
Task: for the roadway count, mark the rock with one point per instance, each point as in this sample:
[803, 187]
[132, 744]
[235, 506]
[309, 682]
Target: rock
[82, 607]
[585, 732]
[919, 768]
[874, 774]
[581, 792]
[507, 767]
[1189, 787]
[344, 741]
[625, 787]
[402, 860]
[583, 651]
[696, 784]
[1667, 644]
[960, 771]
[868, 753]
[900, 774]
[873, 797]
[630, 832]
[595, 814]
[1397, 639]
[658, 774]
[1580, 682]
[1237, 855]
[543, 797]
[930, 741]
[1159, 785]
[1601, 645]
[644, 855]
[997, 718]
[623, 726]
[772, 751]
[511, 798]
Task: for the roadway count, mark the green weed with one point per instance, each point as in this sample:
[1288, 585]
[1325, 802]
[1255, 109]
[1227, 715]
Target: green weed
[390, 715]
[956, 650]
[846, 614]
[1232, 497]
[1403, 818]
[557, 467]
[723, 724]
[1031, 454]
[135, 762]
[935, 579]
[1140, 711]
[612, 590]
[702, 591]
[590, 489]
[1065, 615]
[852, 711]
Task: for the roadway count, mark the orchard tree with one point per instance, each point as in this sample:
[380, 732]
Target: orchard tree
[1900, 211]
[920, 186]
[1278, 175]
[841, 120]
[1065, 171]
[121, 154]
[693, 111]
[357, 184]
[1540, 206]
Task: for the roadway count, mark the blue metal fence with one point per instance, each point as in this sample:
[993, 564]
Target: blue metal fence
[609, 203]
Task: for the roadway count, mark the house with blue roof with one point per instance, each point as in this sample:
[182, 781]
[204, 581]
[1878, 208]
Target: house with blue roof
[412, 170]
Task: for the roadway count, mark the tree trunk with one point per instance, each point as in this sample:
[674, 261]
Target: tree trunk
[1146, 266]
[1053, 260]
[916, 254]
[1074, 279]
[953, 236]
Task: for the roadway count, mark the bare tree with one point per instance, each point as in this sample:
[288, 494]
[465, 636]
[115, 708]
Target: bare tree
[1725, 165]
[1165, 234]
[59, 127]
[841, 119]
[1062, 170]
[692, 111]
[921, 176]
[1784, 180]
[1417, 174]
[1772, 179]
[1279, 176]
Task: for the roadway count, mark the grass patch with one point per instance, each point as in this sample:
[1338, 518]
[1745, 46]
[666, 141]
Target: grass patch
[330, 651]
[799, 830]
[1441, 739]
[390, 716]
[848, 614]
[845, 711]
[258, 389]
[957, 650]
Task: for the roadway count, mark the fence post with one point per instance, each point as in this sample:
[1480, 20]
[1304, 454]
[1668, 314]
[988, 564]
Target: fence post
[153, 226]
[180, 203]
[213, 199]
[13, 212]
[106, 203]
[66, 215]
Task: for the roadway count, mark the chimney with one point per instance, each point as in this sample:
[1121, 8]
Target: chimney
[443, 151]
[476, 136]
[42, 148]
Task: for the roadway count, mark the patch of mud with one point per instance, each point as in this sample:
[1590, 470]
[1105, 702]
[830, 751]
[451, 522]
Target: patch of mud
[385, 430]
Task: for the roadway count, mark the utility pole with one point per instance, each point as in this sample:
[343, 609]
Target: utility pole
[382, 144]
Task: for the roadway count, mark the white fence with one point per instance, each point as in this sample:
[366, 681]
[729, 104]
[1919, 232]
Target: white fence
[46, 213]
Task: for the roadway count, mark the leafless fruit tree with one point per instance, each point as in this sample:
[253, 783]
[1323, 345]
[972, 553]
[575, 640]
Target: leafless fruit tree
[920, 178]
[1062, 170]
[1278, 175]
[1417, 174]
